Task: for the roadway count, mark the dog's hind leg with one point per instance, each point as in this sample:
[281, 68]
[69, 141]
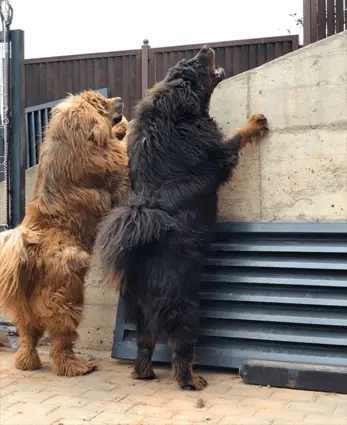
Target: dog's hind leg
[146, 340]
[27, 357]
[183, 340]
[66, 307]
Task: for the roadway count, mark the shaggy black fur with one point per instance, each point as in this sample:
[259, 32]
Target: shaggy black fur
[156, 245]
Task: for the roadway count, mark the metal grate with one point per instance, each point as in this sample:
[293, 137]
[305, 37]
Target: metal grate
[270, 291]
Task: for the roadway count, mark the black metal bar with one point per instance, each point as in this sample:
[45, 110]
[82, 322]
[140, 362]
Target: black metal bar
[17, 128]
[1, 151]
[296, 376]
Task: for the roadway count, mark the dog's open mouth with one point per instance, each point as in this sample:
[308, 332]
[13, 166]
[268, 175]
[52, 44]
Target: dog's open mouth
[118, 111]
[217, 74]
[117, 118]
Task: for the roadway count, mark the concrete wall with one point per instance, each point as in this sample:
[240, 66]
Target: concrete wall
[297, 173]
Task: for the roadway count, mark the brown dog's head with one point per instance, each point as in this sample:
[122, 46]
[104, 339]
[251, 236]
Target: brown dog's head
[85, 117]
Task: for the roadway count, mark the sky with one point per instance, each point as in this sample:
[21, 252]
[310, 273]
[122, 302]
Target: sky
[67, 27]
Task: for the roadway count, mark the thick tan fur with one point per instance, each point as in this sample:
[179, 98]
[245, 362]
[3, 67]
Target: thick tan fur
[81, 174]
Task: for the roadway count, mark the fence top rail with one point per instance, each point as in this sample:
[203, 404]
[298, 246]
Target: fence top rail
[100, 55]
[278, 39]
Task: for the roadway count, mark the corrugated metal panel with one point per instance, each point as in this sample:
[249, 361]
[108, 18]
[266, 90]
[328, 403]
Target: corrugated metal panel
[234, 56]
[51, 78]
[270, 291]
[36, 120]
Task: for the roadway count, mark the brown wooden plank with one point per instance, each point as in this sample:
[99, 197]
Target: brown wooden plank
[270, 52]
[321, 19]
[278, 50]
[330, 5]
[228, 64]
[339, 12]
[220, 57]
[261, 54]
[126, 81]
[236, 60]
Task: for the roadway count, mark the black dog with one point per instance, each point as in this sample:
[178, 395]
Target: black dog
[156, 246]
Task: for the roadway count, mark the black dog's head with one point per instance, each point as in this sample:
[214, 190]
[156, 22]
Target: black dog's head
[185, 91]
[200, 72]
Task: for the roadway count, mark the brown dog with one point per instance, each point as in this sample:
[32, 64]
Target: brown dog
[82, 173]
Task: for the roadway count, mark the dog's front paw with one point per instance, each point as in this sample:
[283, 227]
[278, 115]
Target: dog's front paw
[258, 125]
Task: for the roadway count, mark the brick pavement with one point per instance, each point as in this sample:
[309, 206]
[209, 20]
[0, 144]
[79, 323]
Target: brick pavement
[109, 397]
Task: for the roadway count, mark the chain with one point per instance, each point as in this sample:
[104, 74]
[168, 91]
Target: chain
[6, 15]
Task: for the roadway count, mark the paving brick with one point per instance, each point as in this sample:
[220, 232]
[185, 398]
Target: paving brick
[23, 386]
[293, 395]
[26, 409]
[313, 408]
[244, 420]
[124, 391]
[70, 422]
[22, 419]
[141, 410]
[60, 400]
[5, 414]
[257, 403]
[250, 391]
[161, 421]
[197, 417]
[230, 409]
[341, 410]
[5, 382]
[110, 405]
[145, 400]
[72, 413]
[279, 414]
[332, 399]
[99, 395]
[111, 418]
[25, 397]
[324, 420]
[179, 405]
[64, 391]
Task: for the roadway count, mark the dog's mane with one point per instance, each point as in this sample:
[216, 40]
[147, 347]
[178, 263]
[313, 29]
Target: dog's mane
[72, 166]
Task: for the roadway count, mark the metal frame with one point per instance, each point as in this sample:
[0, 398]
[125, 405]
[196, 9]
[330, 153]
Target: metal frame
[270, 291]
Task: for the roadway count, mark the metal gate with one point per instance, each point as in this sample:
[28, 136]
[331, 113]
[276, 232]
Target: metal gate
[270, 291]
[12, 119]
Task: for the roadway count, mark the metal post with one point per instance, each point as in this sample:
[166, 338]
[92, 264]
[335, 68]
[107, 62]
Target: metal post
[144, 66]
[17, 172]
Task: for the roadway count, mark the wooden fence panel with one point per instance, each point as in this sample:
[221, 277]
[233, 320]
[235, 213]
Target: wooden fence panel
[52, 78]
[234, 56]
[129, 73]
[323, 18]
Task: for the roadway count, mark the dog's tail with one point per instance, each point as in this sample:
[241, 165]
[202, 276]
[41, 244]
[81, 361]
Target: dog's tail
[15, 269]
[123, 231]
